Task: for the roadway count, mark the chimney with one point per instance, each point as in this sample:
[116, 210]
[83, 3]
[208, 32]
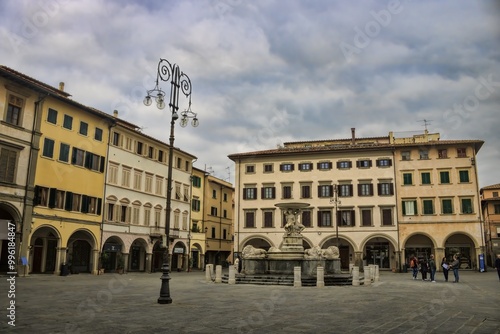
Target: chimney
[353, 134]
[115, 113]
[61, 86]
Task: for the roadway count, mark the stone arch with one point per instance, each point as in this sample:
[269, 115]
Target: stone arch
[465, 245]
[179, 255]
[347, 249]
[9, 212]
[81, 246]
[112, 253]
[196, 256]
[137, 255]
[44, 243]
[380, 249]
[258, 241]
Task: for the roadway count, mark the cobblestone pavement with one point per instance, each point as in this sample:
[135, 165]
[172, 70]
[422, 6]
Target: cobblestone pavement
[113, 303]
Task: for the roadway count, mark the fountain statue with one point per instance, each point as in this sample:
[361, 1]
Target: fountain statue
[291, 253]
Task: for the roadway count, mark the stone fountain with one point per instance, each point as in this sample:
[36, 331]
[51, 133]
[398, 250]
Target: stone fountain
[291, 254]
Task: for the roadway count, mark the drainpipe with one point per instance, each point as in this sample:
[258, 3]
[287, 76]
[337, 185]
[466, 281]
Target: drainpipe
[474, 163]
[397, 209]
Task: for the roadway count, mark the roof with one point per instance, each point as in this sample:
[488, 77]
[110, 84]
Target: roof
[348, 147]
[493, 186]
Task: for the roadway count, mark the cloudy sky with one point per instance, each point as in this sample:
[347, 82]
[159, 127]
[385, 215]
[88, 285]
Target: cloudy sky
[268, 72]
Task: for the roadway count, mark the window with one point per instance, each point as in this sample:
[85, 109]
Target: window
[446, 206]
[268, 219]
[428, 207]
[137, 180]
[98, 134]
[461, 152]
[325, 190]
[424, 154]
[124, 213]
[157, 217]
[148, 187]
[48, 148]
[135, 214]
[444, 177]
[110, 216]
[250, 168]
[160, 155]
[306, 218]
[147, 216]
[287, 192]
[495, 194]
[324, 218]
[305, 166]
[90, 205]
[195, 204]
[94, 162]
[268, 168]
[426, 177]
[8, 163]
[405, 155]
[213, 211]
[159, 186]
[387, 217]
[185, 193]
[84, 128]
[52, 116]
[384, 163]
[325, 165]
[41, 196]
[442, 153]
[407, 179]
[286, 167]
[68, 122]
[345, 218]
[365, 189]
[213, 233]
[268, 193]
[179, 163]
[196, 181]
[116, 139]
[366, 217]
[126, 177]
[225, 197]
[113, 174]
[306, 191]
[363, 163]
[344, 164]
[385, 189]
[214, 193]
[75, 202]
[249, 193]
[138, 148]
[345, 190]
[467, 205]
[14, 110]
[409, 208]
[496, 208]
[64, 152]
[249, 219]
[464, 176]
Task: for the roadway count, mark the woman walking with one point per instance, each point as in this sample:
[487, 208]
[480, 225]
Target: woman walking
[454, 265]
[446, 267]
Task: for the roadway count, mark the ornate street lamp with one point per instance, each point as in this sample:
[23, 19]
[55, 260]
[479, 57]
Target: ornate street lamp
[179, 82]
[336, 202]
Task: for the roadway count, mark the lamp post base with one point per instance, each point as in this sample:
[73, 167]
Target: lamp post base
[165, 289]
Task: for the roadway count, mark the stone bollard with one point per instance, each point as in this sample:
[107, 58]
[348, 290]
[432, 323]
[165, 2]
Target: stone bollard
[372, 272]
[377, 273]
[218, 274]
[351, 265]
[208, 272]
[320, 277]
[355, 276]
[297, 277]
[368, 276]
[232, 275]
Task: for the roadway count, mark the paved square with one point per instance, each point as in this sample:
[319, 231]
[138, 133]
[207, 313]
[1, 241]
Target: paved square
[113, 303]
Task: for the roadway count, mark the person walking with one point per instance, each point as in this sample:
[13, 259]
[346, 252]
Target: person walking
[414, 266]
[455, 264]
[424, 268]
[497, 265]
[432, 268]
[446, 267]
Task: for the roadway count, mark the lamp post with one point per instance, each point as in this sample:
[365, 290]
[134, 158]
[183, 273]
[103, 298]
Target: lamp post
[179, 82]
[336, 202]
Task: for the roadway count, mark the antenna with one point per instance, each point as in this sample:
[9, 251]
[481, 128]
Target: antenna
[426, 122]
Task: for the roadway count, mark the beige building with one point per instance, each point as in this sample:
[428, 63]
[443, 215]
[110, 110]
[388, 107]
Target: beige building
[358, 197]
[490, 201]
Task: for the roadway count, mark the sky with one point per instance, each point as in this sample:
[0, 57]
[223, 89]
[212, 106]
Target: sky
[265, 72]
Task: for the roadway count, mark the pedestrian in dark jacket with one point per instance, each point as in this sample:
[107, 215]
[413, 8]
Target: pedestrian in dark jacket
[424, 269]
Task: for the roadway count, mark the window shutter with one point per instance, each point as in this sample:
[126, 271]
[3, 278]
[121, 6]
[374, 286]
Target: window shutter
[274, 192]
[73, 156]
[353, 223]
[244, 193]
[88, 160]
[377, 163]
[371, 189]
[103, 162]
[357, 163]
[350, 190]
[415, 207]
[317, 165]
[391, 188]
[99, 205]
[262, 192]
[404, 208]
[379, 189]
[390, 162]
[338, 217]
[69, 201]
[319, 218]
[36, 198]
[319, 191]
[359, 189]
[52, 198]
[350, 164]
[338, 164]
[330, 164]
[330, 189]
[85, 204]
[311, 166]
[281, 168]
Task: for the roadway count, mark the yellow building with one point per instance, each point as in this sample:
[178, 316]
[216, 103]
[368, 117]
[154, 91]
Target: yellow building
[69, 186]
[197, 240]
[490, 201]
